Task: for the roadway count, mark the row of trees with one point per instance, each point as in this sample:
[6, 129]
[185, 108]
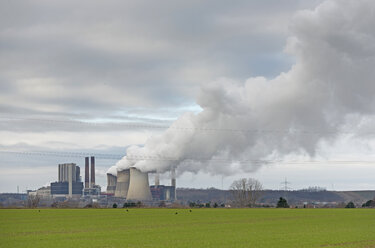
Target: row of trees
[129, 205]
[205, 205]
[246, 193]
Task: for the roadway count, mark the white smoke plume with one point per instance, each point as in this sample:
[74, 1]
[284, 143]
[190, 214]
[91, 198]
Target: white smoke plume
[333, 78]
[112, 170]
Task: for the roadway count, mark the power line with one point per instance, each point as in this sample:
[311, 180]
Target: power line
[64, 154]
[205, 129]
[260, 161]
[78, 122]
[182, 159]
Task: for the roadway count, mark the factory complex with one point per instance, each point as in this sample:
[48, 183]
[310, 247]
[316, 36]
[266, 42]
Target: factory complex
[129, 185]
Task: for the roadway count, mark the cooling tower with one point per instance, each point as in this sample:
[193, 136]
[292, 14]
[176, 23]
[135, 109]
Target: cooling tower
[122, 184]
[139, 189]
[111, 183]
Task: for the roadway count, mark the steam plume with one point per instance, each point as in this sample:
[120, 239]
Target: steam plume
[333, 78]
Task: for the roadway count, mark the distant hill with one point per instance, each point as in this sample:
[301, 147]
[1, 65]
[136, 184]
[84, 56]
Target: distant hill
[270, 197]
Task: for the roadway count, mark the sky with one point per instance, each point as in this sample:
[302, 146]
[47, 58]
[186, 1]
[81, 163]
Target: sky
[155, 78]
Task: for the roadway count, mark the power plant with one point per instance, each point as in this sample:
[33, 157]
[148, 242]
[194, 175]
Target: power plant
[69, 180]
[133, 185]
[129, 185]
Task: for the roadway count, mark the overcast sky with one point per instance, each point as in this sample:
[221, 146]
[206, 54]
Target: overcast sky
[96, 77]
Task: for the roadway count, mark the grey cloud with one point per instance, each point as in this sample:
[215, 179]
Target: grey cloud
[130, 61]
[150, 53]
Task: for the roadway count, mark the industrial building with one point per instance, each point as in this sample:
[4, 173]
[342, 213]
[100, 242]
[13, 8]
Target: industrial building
[62, 188]
[163, 193]
[69, 181]
[69, 170]
[44, 192]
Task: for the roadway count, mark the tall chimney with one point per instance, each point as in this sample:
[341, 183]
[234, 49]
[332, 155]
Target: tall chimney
[70, 179]
[60, 173]
[87, 173]
[157, 179]
[173, 177]
[92, 171]
[173, 183]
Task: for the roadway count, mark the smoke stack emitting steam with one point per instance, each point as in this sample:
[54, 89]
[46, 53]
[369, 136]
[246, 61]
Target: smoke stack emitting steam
[331, 81]
[173, 182]
[157, 179]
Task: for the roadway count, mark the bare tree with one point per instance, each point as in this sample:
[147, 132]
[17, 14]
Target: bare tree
[32, 201]
[255, 189]
[238, 189]
[246, 192]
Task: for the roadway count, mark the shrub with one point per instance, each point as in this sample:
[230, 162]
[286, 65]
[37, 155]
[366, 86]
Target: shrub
[350, 205]
[282, 203]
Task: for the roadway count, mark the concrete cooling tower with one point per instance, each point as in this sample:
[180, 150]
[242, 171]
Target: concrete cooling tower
[111, 183]
[122, 184]
[139, 188]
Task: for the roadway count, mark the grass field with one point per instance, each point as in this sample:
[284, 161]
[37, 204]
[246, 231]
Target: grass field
[199, 228]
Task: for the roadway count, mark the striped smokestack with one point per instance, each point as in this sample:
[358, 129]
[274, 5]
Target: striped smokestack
[92, 171]
[87, 172]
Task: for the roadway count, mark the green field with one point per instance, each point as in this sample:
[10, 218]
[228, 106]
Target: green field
[199, 228]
